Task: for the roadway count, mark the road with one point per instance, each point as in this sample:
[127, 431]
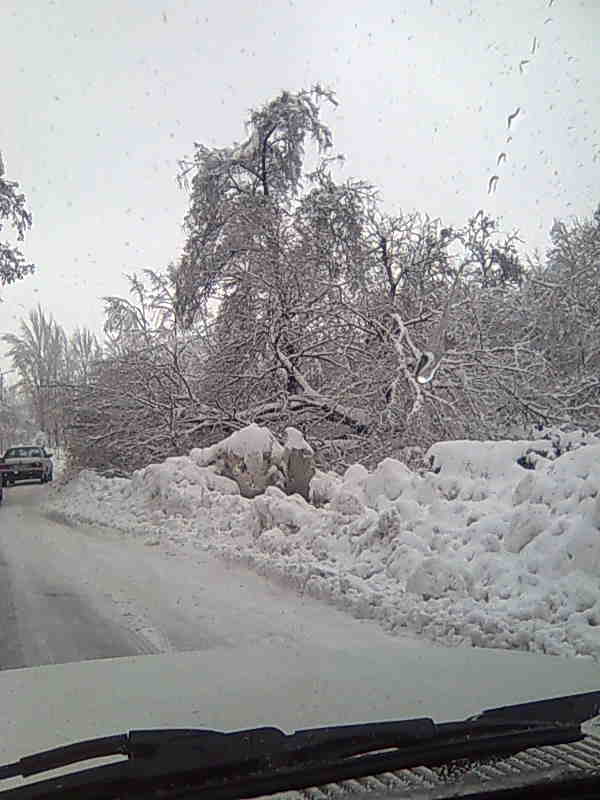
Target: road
[77, 593]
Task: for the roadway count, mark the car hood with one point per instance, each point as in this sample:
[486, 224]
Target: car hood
[231, 688]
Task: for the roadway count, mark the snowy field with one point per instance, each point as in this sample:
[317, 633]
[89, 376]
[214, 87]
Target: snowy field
[496, 545]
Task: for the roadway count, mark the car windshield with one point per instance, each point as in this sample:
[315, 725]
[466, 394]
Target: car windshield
[23, 452]
[299, 359]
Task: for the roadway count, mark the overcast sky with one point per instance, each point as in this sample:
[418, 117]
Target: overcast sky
[99, 100]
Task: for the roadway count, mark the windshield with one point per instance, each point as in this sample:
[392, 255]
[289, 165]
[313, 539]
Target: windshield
[303, 300]
[23, 452]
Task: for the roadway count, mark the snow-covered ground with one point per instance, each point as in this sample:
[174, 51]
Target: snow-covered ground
[498, 545]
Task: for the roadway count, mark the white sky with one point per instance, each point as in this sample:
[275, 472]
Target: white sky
[100, 99]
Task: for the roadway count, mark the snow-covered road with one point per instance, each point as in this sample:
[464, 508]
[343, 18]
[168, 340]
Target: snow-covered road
[77, 593]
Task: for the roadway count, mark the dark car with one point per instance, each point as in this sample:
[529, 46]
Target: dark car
[26, 463]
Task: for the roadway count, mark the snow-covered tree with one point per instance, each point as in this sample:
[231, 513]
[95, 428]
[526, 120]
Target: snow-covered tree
[47, 363]
[13, 210]
[299, 301]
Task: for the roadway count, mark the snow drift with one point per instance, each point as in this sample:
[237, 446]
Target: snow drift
[496, 545]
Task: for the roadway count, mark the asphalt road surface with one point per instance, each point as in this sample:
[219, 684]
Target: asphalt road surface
[77, 593]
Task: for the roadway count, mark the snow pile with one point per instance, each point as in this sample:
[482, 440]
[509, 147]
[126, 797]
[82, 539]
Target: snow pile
[497, 546]
[565, 438]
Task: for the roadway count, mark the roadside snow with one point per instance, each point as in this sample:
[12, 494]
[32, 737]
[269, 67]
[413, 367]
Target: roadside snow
[497, 546]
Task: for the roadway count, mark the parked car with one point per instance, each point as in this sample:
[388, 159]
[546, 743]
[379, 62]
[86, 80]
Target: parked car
[26, 463]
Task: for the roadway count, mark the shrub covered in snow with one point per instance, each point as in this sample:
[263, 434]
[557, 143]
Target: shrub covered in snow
[254, 459]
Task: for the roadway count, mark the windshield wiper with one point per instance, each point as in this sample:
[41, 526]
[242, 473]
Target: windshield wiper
[265, 760]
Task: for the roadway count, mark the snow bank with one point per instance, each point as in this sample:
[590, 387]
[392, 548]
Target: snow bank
[497, 546]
